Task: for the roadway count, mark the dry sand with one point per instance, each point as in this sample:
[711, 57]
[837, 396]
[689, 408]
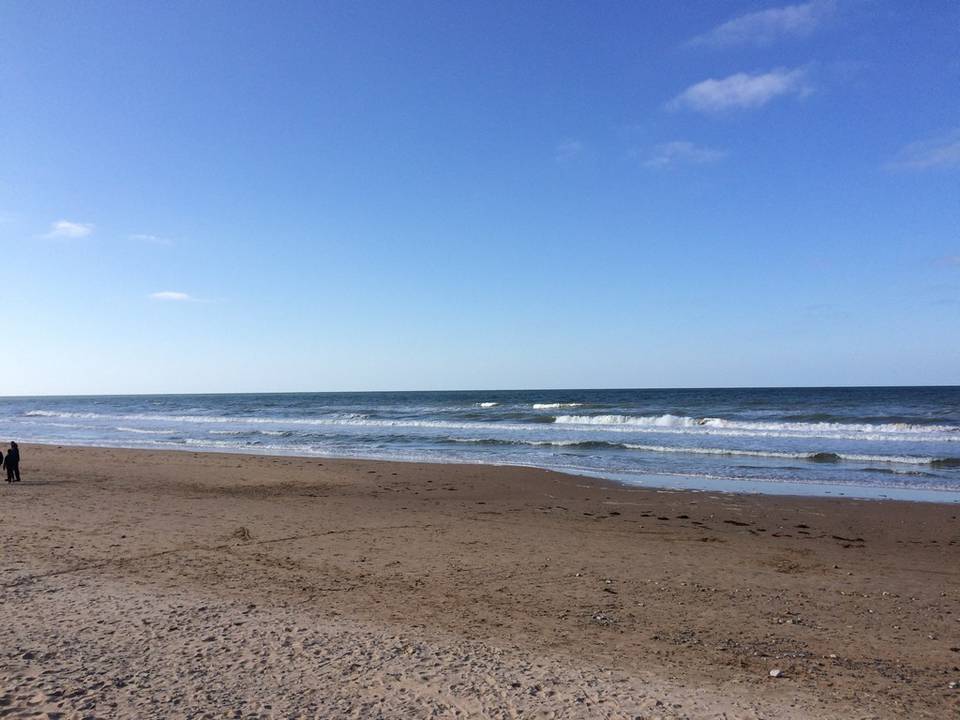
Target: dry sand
[145, 584]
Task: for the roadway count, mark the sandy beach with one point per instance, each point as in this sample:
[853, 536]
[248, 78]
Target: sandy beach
[161, 584]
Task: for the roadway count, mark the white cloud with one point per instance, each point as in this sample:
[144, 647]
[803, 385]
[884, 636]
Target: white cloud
[742, 90]
[155, 239]
[171, 296]
[568, 150]
[937, 152]
[68, 229]
[680, 152]
[764, 27]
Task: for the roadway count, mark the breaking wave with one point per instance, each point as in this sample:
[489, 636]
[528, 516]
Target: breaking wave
[54, 414]
[272, 433]
[344, 418]
[144, 431]
[898, 437]
[709, 423]
[819, 457]
[657, 424]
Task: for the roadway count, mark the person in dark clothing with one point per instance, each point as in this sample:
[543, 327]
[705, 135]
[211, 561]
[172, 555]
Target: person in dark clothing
[12, 463]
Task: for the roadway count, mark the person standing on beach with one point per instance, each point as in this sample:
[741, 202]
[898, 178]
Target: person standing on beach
[12, 463]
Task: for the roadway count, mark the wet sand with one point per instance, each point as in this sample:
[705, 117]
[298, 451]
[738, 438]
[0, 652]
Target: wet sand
[159, 584]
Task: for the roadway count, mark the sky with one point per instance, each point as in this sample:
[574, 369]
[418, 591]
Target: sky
[250, 196]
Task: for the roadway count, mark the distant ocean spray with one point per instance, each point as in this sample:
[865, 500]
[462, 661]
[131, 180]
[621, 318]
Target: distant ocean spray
[874, 442]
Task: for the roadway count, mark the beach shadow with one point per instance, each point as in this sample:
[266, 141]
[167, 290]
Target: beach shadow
[38, 483]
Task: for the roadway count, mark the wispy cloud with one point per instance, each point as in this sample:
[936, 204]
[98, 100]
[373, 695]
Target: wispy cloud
[822, 311]
[172, 296]
[942, 151]
[568, 150]
[69, 229]
[950, 261]
[765, 27]
[742, 91]
[682, 152]
[147, 238]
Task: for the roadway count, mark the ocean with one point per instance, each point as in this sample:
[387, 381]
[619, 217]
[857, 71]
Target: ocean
[895, 442]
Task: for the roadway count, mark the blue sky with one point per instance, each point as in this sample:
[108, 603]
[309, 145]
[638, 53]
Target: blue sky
[247, 196]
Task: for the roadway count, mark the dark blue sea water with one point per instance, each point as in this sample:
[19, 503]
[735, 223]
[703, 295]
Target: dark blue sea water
[872, 442]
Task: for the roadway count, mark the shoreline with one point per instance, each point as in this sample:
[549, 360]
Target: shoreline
[147, 583]
[936, 496]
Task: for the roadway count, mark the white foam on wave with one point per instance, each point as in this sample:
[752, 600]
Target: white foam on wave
[345, 419]
[825, 429]
[273, 433]
[48, 423]
[213, 419]
[816, 456]
[643, 420]
[635, 424]
[824, 457]
[555, 406]
[56, 414]
[144, 431]
[243, 446]
[487, 404]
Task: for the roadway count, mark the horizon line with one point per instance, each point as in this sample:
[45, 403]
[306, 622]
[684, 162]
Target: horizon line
[478, 390]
